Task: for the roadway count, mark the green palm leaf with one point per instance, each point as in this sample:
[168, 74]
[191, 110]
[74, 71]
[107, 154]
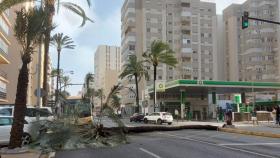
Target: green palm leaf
[6, 4]
[77, 10]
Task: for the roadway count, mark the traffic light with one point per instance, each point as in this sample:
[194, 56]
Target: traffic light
[245, 20]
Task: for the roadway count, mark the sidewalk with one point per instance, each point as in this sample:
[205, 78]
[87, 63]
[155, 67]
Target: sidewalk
[264, 129]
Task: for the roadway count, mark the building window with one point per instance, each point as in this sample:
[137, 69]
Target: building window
[148, 29]
[4, 26]
[131, 47]
[160, 77]
[3, 46]
[186, 5]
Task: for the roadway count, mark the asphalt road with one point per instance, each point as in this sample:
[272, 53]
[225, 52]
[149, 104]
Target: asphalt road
[185, 144]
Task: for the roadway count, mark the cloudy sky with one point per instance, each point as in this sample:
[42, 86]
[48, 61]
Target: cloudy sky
[105, 30]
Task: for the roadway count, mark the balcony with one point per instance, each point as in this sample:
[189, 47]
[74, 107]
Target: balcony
[3, 55]
[3, 76]
[3, 96]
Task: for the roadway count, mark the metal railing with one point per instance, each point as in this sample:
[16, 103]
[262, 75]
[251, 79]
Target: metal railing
[3, 74]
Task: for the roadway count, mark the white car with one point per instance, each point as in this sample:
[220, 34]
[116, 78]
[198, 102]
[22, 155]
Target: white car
[159, 118]
[6, 126]
[31, 113]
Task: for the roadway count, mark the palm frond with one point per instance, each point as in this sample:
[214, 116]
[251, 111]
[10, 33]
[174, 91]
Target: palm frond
[61, 41]
[160, 53]
[77, 10]
[6, 4]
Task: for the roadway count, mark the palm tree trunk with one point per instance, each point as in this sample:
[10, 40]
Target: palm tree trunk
[155, 77]
[50, 9]
[137, 94]
[20, 107]
[57, 78]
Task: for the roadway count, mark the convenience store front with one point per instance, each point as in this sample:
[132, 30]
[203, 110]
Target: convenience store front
[200, 97]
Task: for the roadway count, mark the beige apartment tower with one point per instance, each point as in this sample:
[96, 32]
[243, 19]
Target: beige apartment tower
[188, 26]
[107, 67]
[252, 54]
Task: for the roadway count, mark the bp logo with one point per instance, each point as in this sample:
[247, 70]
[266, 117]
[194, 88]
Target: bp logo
[160, 87]
[200, 82]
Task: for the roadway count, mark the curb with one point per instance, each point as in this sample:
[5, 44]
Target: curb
[252, 133]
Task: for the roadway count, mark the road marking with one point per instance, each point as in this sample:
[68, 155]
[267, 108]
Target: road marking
[150, 153]
[248, 144]
[221, 146]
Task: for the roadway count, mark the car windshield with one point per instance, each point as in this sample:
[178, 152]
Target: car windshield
[166, 114]
[6, 112]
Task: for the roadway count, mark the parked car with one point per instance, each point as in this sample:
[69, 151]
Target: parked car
[136, 117]
[159, 118]
[31, 112]
[5, 128]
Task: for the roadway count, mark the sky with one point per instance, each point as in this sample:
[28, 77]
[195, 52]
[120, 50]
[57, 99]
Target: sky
[106, 30]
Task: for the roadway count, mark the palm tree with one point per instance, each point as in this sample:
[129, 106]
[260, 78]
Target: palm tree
[136, 69]
[28, 30]
[115, 102]
[100, 94]
[60, 42]
[65, 80]
[160, 53]
[49, 8]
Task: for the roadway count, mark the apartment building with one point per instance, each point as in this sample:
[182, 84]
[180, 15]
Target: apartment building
[188, 26]
[252, 54]
[107, 67]
[9, 58]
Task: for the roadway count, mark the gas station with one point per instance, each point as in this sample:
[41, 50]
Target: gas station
[200, 98]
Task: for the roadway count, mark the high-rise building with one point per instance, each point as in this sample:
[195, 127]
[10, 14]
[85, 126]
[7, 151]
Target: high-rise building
[252, 54]
[188, 26]
[10, 59]
[107, 67]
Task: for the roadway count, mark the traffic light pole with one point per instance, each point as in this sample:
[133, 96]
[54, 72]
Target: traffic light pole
[268, 21]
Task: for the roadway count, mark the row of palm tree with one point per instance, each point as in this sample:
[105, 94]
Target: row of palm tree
[160, 53]
[31, 28]
[49, 6]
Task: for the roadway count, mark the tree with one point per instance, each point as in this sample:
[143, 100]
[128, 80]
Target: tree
[160, 53]
[136, 69]
[28, 30]
[60, 41]
[49, 9]
[65, 80]
[115, 102]
[100, 94]
[89, 90]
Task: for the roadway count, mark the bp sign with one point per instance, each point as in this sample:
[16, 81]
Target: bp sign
[237, 99]
[160, 86]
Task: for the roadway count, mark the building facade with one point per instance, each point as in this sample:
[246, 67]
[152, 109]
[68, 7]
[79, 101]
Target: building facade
[11, 60]
[188, 26]
[107, 67]
[9, 57]
[252, 54]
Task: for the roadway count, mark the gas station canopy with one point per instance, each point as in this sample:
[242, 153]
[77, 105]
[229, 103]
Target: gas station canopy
[219, 87]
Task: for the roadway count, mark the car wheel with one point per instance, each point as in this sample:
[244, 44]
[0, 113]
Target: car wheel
[159, 122]
[26, 139]
[145, 120]
[169, 123]
[130, 120]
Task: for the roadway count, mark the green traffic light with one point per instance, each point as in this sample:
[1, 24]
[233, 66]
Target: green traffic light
[246, 24]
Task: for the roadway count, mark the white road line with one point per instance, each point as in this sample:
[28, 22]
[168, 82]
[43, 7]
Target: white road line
[248, 144]
[150, 153]
[221, 146]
